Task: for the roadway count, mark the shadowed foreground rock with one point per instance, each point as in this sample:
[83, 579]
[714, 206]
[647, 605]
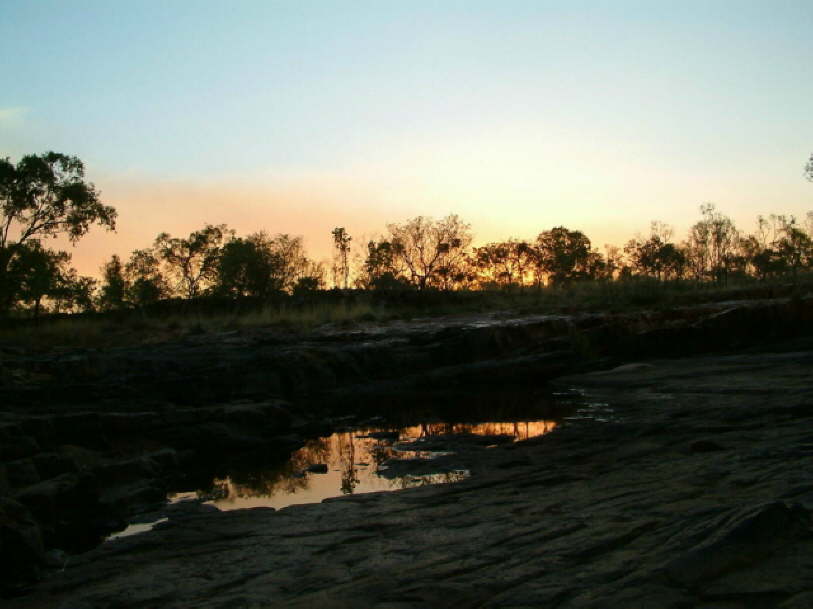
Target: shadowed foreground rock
[695, 493]
[91, 437]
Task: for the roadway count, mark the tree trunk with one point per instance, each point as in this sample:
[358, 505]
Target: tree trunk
[7, 288]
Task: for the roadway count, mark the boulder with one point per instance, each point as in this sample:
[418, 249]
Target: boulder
[63, 507]
[21, 549]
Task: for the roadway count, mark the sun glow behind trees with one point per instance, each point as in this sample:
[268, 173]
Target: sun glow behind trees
[47, 196]
[519, 116]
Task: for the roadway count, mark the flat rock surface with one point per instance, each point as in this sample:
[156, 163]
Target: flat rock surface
[679, 484]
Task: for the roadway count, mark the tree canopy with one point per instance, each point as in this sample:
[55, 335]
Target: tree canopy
[430, 249]
[46, 196]
[192, 262]
[564, 254]
[43, 196]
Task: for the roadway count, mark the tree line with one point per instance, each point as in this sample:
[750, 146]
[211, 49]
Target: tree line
[45, 196]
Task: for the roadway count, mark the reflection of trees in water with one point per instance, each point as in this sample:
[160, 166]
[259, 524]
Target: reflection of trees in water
[380, 452]
[519, 430]
[220, 490]
[315, 451]
[343, 451]
[286, 478]
[347, 460]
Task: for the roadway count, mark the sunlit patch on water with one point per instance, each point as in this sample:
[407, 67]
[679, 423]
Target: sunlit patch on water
[357, 461]
[135, 529]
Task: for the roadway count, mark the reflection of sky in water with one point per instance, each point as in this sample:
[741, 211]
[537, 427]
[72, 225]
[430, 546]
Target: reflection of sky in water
[135, 529]
[352, 461]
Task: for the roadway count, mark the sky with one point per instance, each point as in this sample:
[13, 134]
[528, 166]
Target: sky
[301, 116]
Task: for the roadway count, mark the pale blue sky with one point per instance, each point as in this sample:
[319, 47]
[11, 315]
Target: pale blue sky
[300, 116]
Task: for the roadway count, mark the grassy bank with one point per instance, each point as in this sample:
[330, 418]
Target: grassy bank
[300, 314]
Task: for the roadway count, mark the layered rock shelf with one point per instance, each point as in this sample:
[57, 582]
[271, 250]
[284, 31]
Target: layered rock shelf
[695, 491]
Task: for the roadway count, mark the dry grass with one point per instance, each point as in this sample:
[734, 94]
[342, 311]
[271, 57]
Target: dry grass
[303, 317]
[136, 328]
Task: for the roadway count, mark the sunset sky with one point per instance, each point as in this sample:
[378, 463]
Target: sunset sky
[301, 116]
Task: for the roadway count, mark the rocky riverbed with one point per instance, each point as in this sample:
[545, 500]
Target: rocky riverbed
[690, 490]
[697, 493]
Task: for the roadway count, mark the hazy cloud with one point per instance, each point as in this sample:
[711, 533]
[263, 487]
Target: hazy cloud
[12, 115]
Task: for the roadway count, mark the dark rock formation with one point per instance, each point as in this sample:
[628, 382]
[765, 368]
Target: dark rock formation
[70, 478]
[88, 437]
[610, 514]
[421, 355]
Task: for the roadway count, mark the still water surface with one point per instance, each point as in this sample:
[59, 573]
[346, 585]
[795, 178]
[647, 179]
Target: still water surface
[356, 462]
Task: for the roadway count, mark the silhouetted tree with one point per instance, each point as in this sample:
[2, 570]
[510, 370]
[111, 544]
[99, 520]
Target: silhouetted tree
[259, 265]
[341, 241]
[595, 267]
[246, 268]
[381, 269]
[43, 196]
[711, 244]
[192, 262]
[291, 262]
[144, 282]
[113, 288]
[758, 251]
[38, 272]
[311, 279]
[563, 254]
[656, 256]
[73, 293]
[809, 169]
[795, 247]
[431, 250]
[504, 263]
[613, 261]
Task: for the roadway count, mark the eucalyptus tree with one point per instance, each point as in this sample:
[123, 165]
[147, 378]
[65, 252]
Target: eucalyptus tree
[432, 251]
[191, 262]
[505, 263]
[312, 278]
[381, 268]
[73, 293]
[145, 283]
[656, 256]
[39, 272]
[259, 265]
[249, 267]
[795, 247]
[341, 241]
[43, 196]
[291, 263]
[563, 255]
[113, 290]
[711, 244]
